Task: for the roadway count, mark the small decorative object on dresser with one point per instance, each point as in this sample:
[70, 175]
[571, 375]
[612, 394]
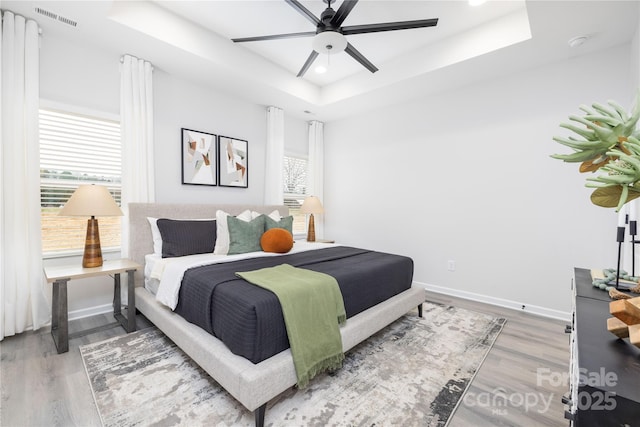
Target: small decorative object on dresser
[198, 158]
[626, 320]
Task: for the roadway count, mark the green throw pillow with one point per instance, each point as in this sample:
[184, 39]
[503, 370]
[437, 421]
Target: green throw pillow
[245, 236]
[285, 222]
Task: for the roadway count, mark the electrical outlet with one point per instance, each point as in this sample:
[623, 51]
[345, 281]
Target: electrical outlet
[451, 265]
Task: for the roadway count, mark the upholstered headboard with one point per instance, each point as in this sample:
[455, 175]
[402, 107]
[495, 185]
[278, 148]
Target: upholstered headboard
[140, 240]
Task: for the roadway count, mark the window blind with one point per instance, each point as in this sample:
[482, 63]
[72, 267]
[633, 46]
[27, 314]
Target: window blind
[76, 149]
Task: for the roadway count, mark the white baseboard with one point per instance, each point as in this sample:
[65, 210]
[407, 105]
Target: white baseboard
[500, 302]
[90, 311]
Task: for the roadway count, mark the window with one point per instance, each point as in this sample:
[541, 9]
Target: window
[295, 190]
[76, 149]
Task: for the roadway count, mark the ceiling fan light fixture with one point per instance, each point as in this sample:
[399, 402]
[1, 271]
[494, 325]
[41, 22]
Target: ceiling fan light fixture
[329, 41]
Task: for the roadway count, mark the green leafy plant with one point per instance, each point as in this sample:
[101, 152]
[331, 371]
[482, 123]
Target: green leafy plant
[608, 144]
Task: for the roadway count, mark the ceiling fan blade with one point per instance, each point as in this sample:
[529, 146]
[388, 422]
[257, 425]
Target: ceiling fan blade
[343, 12]
[274, 37]
[353, 52]
[308, 63]
[303, 11]
[389, 26]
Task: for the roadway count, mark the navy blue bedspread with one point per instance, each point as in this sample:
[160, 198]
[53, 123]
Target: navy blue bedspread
[248, 318]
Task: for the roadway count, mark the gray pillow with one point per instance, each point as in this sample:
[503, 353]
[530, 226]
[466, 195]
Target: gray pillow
[285, 222]
[245, 236]
[184, 237]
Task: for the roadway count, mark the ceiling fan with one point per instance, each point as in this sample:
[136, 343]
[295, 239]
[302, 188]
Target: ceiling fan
[329, 36]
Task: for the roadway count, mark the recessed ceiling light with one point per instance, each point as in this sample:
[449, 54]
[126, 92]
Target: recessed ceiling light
[321, 69]
[476, 2]
[577, 41]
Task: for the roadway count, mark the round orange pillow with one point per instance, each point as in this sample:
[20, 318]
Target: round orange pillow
[276, 240]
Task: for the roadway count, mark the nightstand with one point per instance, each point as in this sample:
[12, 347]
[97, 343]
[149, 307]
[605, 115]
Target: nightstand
[60, 275]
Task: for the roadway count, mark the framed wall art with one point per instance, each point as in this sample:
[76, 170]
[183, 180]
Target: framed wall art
[233, 166]
[199, 163]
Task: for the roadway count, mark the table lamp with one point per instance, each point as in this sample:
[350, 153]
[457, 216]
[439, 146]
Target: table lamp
[91, 200]
[311, 205]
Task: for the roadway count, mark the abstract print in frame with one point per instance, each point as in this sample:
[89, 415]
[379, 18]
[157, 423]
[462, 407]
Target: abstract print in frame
[233, 157]
[198, 158]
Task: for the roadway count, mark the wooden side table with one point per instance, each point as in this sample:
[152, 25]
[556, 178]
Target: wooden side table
[60, 275]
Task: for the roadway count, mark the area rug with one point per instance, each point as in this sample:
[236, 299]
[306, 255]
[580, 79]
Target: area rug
[412, 373]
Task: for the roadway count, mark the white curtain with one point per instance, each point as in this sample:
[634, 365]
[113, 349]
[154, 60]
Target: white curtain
[136, 123]
[315, 176]
[22, 299]
[274, 158]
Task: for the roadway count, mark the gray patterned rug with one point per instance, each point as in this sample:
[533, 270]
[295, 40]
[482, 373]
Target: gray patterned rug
[412, 373]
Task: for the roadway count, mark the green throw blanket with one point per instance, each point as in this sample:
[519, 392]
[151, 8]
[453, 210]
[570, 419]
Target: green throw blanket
[313, 309]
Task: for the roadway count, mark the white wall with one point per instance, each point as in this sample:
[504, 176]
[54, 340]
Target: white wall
[466, 176]
[177, 104]
[78, 75]
[296, 136]
[89, 79]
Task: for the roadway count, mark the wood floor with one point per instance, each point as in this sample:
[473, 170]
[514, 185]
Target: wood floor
[519, 382]
[512, 388]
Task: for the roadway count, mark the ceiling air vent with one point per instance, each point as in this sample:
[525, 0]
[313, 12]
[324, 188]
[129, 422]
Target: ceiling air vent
[55, 16]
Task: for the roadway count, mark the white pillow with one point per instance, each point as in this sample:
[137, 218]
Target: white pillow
[222, 229]
[155, 234]
[275, 215]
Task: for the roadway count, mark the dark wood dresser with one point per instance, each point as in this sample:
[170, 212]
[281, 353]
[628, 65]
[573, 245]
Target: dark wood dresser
[604, 370]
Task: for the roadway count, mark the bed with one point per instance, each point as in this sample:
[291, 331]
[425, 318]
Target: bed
[252, 384]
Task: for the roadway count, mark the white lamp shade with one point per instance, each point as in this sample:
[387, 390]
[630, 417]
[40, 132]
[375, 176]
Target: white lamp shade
[91, 200]
[311, 205]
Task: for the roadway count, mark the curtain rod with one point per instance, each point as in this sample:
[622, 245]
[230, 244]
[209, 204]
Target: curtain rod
[122, 60]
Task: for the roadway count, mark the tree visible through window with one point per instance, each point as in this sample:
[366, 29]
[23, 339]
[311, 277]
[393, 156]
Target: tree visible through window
[76, 149]
[295, 189]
